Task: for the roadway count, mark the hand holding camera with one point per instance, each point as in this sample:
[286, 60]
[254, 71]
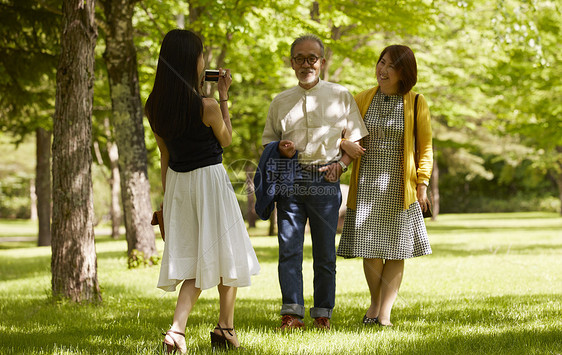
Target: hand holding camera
[223, 78]
[214, 75]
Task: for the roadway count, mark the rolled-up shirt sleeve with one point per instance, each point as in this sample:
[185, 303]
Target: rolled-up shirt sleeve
[271, 131]
[355, 127]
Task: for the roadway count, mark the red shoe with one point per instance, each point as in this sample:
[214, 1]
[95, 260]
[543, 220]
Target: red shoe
[290, 322]
[322, 323]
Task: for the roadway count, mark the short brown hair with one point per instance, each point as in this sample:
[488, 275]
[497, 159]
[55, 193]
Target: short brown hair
[405, 62]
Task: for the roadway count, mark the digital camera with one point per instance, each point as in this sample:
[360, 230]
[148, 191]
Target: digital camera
[211, 75]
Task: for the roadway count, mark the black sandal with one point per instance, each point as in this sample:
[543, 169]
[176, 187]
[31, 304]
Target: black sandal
[221, 341]
[171, 348]
[370, 321]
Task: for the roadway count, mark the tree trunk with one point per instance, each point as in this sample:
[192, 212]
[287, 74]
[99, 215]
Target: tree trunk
[121, 60]
[43, 185]
[33, 201]
[251, 215]
[74, 262]
[558, 176]
[559, 183]
[113, 179]
[115, 182]
[434, 181]
[273, 223]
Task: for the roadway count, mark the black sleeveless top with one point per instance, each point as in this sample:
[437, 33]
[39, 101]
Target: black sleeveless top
[195, 148]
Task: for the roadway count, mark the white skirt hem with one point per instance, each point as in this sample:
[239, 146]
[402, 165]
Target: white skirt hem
[206, 238]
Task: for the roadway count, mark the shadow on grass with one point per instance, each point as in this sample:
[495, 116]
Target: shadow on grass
[510, 324]
[127, 325]
[16, 267]
[13, 267]
[4, 245]
[45, 326]
[131, 325]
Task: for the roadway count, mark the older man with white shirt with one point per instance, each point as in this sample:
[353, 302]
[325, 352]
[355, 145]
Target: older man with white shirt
[311, 118]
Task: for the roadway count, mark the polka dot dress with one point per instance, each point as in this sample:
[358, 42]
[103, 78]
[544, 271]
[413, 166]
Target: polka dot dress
[380, 227]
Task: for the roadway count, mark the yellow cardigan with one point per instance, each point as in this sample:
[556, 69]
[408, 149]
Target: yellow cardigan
[411, 179]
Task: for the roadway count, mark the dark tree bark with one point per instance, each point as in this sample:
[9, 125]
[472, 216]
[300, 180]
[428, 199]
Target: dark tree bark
[43, 185]
[113, 178]
[121, 60]
[251, 215]
[115, 182]
[74, 262]
[273, 223]
[33, 201]
[559, 183]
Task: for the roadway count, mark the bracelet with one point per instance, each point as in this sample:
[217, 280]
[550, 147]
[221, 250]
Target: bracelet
[225, 100]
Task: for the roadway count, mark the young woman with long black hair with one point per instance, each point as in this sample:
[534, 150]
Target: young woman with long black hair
[207, 243]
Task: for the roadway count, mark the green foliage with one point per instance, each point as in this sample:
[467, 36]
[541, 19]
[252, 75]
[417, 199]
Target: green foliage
[491, 72]
[527, 78]
[506, 186]
[29, 48]
[14, 196]
[16, 175]
[478, 293]
[137, 259]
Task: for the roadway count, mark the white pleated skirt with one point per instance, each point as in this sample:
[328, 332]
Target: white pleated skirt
[206, 238]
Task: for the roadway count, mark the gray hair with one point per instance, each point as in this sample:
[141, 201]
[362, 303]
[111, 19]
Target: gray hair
[308, 37]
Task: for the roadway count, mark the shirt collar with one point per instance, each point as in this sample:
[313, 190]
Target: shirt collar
[314, 88]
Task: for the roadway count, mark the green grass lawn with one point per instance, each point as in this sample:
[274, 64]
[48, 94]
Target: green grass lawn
[492, 286]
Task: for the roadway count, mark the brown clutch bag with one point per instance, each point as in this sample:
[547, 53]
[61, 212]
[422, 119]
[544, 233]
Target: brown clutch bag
[158, 219]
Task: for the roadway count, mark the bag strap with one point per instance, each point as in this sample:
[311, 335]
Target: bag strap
[416, 130]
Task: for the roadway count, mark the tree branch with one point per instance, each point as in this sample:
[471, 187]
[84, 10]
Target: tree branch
[151, 17]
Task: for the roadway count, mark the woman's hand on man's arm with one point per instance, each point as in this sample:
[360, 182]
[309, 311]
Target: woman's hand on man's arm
[353, 149]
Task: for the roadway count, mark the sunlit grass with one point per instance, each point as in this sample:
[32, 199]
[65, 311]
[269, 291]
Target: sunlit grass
[14, 227]
[492, 286]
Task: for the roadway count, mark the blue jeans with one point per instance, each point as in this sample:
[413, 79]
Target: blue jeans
[317, 200]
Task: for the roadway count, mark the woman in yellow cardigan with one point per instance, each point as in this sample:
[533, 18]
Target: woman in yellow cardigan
[384, 222]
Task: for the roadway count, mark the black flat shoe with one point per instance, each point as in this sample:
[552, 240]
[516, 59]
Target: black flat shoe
[370, 321]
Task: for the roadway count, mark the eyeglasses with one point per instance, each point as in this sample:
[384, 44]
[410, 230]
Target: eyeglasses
[311, 60]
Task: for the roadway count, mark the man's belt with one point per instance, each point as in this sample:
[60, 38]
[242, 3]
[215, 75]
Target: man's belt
[315, 167]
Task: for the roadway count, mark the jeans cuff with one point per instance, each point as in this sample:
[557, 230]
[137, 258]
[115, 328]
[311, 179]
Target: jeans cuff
[293, 309]
[320, 312]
